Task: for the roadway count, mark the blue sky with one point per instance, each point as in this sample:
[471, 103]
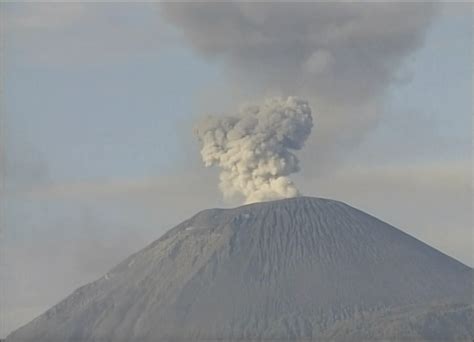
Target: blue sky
[440, 89]
[98, 105]
[104, 121]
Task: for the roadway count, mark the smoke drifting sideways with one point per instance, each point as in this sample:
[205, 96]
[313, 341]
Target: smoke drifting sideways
[254, 148]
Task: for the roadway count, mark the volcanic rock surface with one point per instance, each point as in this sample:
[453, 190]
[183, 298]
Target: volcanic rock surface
[294, 269]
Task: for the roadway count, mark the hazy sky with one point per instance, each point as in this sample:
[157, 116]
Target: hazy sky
[99, 101]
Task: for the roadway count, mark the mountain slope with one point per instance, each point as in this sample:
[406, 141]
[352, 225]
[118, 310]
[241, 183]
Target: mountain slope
[293, 269]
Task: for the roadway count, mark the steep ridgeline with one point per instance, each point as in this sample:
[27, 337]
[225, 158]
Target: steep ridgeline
[294, 269]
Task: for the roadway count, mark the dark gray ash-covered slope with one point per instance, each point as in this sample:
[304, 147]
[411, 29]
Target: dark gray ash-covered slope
[294, 269]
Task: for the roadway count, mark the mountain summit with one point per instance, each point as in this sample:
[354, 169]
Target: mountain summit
[294, 269]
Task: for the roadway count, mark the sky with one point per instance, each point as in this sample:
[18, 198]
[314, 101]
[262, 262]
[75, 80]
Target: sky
[99, 103]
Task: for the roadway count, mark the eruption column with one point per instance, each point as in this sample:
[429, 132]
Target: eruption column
[254, 148]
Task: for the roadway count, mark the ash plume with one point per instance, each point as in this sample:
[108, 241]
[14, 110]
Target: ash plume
[341, 57]
[332, 51]
[254, 148]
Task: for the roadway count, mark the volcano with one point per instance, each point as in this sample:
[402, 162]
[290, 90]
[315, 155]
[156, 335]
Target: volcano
[293, 269]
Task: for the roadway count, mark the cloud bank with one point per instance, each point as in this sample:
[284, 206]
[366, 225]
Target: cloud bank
[253, 148]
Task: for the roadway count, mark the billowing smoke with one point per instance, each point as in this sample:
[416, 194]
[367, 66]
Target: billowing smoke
[254, 148]
[331, 52]
[342, 57]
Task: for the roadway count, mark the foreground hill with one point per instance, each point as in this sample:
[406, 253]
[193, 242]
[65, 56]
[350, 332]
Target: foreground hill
[294, 269]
